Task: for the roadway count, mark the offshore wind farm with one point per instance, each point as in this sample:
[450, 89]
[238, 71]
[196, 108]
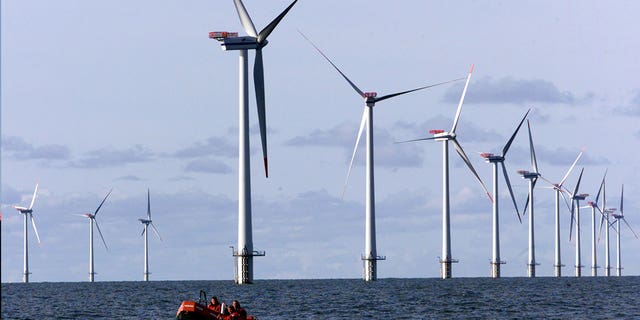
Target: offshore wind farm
[150, 105]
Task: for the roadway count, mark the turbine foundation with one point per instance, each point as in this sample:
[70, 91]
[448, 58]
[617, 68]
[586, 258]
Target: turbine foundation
[244, 265]
[445, 267]
[495, 268]
[371, 267]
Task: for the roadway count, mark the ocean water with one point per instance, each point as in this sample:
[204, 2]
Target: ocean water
[462, 298]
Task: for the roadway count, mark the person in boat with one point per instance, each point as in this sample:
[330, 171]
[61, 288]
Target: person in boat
[228, 313]
[241, 312]
[214, 305]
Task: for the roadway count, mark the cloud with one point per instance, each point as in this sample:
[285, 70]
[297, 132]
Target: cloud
[341, 135]
[468, 131]
[130, 178]
[387, 152]
[106, 157]
[214, 146]
[633, 108]
[510, 90]
[208, 166]
[18, 148]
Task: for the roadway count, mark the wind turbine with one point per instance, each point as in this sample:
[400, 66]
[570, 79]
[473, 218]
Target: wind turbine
[371, 257]
[147, 222]
[92, 221]
[620, 217]
[558, 190]
[254, 41]
[28, 215]
[575, 215]
[605, 213]
[445, 137]
[495, 160]
[532, 176]
[594, 206]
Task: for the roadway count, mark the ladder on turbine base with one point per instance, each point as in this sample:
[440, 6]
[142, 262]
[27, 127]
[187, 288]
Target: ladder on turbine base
[531, 269]
[243, 274]
[558, 269]
[369, 266]
[445, 267]
[579, 270]
[495, 268]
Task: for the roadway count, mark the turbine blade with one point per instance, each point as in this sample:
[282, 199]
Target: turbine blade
[100, 232]
[269, 28]
[245, 19]
[601, 187]
[420, 139]
[534, 161]
[258, 80]
[468, 163]
[571, 168]
[602, 217]
[566, 202]
[572, 219]
[142, 234]
[101, 203]
[513, 136]
[33, 199]
[513, 198]
[464, 92]
[148, 204]
[575, 190]
[156, 231]
[355, 148]
[622, 201]
[412, 90]
[628, 225]
[360, 92]
[33, 222]
[526, 203]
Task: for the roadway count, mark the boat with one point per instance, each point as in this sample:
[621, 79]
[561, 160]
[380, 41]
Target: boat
[198, 310]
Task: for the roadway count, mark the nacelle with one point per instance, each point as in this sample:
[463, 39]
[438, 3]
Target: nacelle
[240, 43]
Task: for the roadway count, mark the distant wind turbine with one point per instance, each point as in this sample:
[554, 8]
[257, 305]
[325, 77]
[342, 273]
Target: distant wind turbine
[254, 41]
[559, 191]
[92, 220]
[605, 213]
[371, 257]
[145, 232]
[532, 176]
[28, 215]
[443, 136]
[575, 215]
[620, 217]
[495, 160]
[595, 208]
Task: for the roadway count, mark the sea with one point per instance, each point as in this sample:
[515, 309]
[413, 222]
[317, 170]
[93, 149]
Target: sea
[457, 298]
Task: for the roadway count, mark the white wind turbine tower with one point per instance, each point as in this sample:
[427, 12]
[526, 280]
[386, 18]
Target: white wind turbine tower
[92, 220]
[557, 188]
[594, 206]
[605, 213]
[28, 215]
[495, 160]
[254, 41]
[618, 218]
[371, 257]
[532, 176]
[575, 215]
[443, 136]
[147, 222]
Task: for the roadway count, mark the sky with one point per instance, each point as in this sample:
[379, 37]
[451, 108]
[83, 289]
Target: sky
[134, 96]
